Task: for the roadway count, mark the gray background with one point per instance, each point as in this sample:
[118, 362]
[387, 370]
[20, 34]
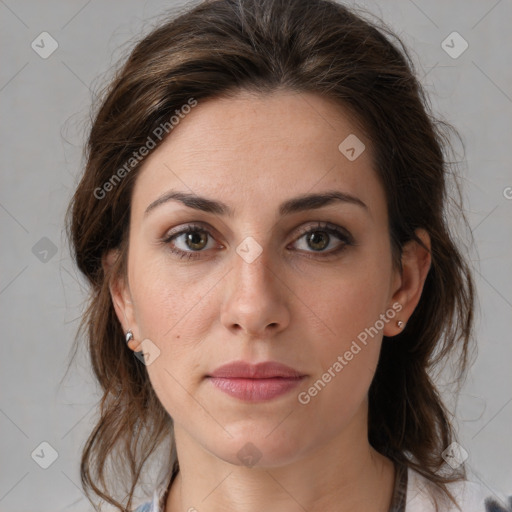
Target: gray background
[44, 113]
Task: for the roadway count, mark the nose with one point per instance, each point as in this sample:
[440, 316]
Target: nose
[255, 298]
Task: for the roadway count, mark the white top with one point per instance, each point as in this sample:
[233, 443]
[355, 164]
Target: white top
[471, 497]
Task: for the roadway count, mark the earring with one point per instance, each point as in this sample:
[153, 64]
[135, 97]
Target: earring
[400, 324]
[129, 336]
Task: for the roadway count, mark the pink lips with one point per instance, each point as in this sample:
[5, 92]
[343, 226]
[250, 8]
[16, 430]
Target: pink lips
[255, 383]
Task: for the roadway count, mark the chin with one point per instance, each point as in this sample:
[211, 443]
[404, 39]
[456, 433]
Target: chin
[257, 446]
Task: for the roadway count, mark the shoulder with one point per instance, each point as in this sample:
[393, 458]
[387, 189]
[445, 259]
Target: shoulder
[145, 507]
[152, 506]
[160, 491]
[471, 496]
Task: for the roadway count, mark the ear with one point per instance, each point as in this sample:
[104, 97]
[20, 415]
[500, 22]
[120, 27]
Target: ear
[121, 296]
[416, 261]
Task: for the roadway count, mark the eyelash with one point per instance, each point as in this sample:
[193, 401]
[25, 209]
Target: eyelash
[326, 227]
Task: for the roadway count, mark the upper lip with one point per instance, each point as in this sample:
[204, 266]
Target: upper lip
[265, 370]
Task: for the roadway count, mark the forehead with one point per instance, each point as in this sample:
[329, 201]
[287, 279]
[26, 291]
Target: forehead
[252, 150]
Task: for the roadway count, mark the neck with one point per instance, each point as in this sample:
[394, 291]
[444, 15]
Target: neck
[345, 474]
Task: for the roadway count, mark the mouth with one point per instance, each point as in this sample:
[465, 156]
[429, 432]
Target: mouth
[255, 383]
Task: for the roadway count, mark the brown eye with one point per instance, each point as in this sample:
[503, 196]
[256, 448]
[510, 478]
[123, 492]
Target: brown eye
[317, 240]
[319, 237]
[189, 242]
[196, 240]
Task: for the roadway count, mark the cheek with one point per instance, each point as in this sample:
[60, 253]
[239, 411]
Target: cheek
[355, 308]
[347, 363]
[165, 298]
[353, 299]
[175, 316]
[167, 315]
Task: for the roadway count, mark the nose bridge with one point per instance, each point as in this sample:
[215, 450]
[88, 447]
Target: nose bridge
[255, 298]
[253, 273]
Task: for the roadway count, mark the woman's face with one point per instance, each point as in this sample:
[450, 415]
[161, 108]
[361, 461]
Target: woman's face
[252, 285]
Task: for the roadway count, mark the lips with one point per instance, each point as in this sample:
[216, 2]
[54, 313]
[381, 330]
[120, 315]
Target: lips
[266, 370]
[255, 383]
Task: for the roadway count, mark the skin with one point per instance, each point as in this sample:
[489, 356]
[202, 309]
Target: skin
[292, 304]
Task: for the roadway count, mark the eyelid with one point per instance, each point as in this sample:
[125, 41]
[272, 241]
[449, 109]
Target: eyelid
[330, 228]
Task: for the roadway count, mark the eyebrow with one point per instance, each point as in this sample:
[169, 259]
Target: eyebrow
[297, 204]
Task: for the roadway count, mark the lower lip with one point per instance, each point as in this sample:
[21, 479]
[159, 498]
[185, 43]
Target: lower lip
[255, 390]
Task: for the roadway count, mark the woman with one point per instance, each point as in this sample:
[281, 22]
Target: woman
[262, 221]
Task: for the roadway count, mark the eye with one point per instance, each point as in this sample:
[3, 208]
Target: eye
[188, 241]
[191, 240]
[319, 237]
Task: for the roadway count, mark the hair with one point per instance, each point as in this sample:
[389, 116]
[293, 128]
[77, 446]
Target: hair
[220, 48]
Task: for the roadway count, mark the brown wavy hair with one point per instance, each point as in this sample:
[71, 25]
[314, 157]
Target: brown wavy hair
[216, 49]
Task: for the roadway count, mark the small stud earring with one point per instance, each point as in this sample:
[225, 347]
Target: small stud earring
[400, 324]
[129, 336]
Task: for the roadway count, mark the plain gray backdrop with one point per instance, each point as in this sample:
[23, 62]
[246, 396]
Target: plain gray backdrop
[45, 100]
